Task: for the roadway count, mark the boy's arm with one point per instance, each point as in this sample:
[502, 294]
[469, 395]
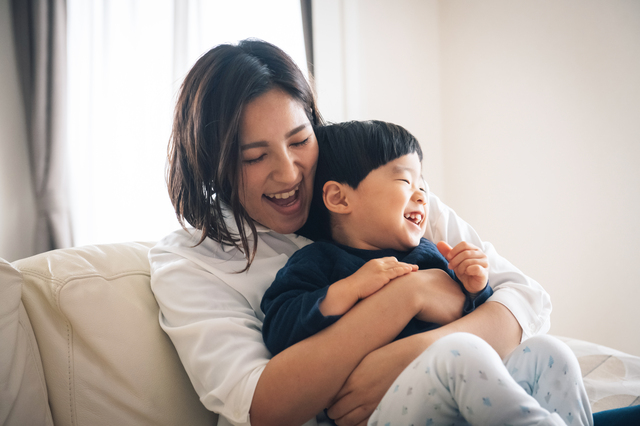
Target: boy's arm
[290, 304]
[302, 300]
[371, 277]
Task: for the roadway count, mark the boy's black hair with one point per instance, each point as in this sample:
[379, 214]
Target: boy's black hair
[348, 152]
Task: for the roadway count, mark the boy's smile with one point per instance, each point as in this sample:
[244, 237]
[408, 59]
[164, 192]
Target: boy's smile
[387, 209]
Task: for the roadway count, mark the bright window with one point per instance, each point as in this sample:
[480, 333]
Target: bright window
[127, 59]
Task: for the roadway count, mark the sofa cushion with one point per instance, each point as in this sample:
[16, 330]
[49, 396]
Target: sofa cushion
[23, 393]
[106, 360]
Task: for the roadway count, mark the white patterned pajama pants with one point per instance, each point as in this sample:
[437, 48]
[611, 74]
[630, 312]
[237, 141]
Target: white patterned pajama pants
[461, 380]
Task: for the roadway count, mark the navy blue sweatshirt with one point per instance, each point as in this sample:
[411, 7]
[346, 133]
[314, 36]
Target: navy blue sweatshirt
[291, 303]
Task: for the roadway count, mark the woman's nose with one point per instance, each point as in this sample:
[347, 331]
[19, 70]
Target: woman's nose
[286, 170]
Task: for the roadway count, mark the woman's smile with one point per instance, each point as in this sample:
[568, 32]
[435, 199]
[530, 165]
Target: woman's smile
[286, 202]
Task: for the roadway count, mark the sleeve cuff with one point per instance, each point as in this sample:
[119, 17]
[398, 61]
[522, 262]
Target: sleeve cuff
[315, 320]
[474, 300]
[531, 323]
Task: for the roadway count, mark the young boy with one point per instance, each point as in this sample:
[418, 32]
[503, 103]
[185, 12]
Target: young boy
[370, 208]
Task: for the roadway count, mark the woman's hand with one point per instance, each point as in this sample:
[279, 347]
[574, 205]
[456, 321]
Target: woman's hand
[370, 380]
[368, 383]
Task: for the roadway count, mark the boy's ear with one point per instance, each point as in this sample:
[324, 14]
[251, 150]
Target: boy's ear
[334, 195]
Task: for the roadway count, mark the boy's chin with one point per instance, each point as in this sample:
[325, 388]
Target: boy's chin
[408, 245]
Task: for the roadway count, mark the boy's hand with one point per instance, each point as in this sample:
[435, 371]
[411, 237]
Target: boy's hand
[469, 263]
[376, 273]
[371, 277]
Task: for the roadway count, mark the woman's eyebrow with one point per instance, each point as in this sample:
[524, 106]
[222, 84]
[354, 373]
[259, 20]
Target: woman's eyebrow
[253, 145]
[260, 144]
[296, 130]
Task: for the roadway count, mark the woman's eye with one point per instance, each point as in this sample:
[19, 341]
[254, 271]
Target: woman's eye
[301, 143]
[250, 161]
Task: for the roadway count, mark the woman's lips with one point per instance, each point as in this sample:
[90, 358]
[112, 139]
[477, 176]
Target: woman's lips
[284, 199]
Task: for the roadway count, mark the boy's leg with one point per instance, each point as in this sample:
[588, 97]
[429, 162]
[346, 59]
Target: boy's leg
[548, 370]
[459, 380]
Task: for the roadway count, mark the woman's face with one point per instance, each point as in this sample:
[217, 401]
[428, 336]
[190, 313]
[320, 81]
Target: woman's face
[279, 152]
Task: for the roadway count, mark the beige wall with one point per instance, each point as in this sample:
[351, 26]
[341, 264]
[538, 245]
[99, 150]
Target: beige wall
[531, 111]
[368, 66]
[17, 205]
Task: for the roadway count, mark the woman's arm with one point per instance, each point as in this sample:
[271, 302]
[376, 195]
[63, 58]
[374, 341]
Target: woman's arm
[305, 378]
[527, 301]
[368, 383]
[212, 315]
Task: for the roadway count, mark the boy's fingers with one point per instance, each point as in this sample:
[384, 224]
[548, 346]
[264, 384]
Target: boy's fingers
[399, 269]
[444, 249]
[473, 255]
[406, 267]
[466, 268]
[474, 270]
[461, 247]
[463, 268]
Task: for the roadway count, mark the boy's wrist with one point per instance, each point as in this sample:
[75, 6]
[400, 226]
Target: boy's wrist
[339, 299]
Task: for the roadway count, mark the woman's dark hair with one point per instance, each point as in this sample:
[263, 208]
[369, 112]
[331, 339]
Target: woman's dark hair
[348, 152]
[204, 150]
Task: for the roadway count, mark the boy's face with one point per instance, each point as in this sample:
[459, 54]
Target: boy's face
[389, 206]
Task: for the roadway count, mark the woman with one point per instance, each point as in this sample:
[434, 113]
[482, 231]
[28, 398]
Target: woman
[241, 166]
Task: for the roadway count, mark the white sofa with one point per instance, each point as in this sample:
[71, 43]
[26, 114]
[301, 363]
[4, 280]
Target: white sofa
[81, 345]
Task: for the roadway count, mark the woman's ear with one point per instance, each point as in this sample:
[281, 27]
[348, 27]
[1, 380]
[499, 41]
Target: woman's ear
[334, 195]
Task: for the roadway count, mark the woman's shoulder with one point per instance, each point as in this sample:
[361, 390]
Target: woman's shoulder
[188, 242]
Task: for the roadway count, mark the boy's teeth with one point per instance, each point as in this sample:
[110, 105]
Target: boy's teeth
[415, 217]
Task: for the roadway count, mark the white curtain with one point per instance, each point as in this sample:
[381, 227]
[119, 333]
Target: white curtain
[126, 61]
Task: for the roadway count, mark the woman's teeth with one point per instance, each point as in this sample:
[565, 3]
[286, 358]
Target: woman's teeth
[283, 195]
[414, 217]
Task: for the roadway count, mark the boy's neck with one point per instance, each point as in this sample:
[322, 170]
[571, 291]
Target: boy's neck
[345, 233]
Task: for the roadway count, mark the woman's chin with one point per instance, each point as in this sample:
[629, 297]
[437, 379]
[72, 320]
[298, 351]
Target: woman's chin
[287, 223]
[287, 227]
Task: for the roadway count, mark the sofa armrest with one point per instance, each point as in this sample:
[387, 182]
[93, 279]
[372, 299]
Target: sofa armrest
[106, 360]
[23, 393]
